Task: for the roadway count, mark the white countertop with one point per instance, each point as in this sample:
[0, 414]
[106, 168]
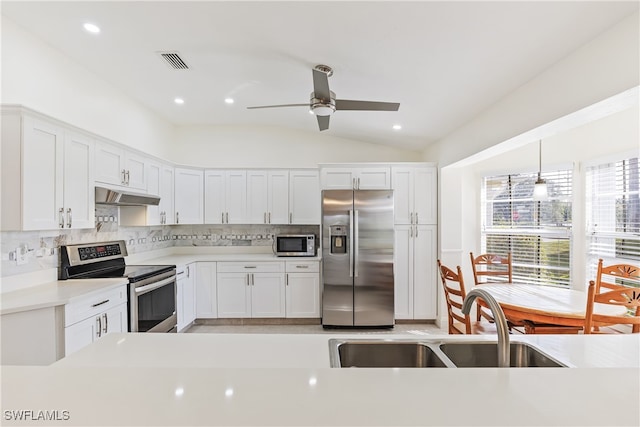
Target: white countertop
[54, 293]
[274, 379]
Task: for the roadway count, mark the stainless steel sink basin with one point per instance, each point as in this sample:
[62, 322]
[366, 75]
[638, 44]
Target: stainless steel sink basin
[387, 354]
[485, 355]
[400, 353]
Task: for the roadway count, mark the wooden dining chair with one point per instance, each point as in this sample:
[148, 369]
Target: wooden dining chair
[490, 268]
[604, 290]
[454, 293]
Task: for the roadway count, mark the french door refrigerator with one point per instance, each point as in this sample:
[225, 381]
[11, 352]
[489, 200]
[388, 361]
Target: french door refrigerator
[357, 258]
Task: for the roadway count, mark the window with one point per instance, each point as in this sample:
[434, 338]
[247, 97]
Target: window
[613, 213]
[536, 233]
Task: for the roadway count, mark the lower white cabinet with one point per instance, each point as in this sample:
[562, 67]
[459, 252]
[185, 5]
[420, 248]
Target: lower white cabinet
[302, 282]
[186, 296]
[250, 289]
[91, 317]
[206, 290]
[416, 282]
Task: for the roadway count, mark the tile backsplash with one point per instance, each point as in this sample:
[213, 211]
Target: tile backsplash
[42, 247]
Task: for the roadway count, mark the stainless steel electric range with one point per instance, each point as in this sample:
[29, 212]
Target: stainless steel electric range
[151, 288]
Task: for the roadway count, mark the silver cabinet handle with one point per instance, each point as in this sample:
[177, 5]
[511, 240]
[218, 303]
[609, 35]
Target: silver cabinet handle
[99, 324]
[417, 218]
[123, 180]
[248, 283]
[269, 216]
[100, 303]
[61, 219]
[290, 217]
[353, 185]
[177, 217]
[264, 221]
[222, 217]
[411, 214]
[411, 231]
[127, 178]
[188, 271]
[69, 217]
[302, 266]
[358, 183]
[226, 216]
[253, 282]
[106, 323]
[286, 279]
[250, 266]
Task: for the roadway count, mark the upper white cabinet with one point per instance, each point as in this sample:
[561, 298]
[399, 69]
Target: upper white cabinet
[268, 196]
[304, 196]
[414, 194]
[48, 175]
[160, 182]
[225, 196]
[189, 196]
[354, 177]
[118, 166]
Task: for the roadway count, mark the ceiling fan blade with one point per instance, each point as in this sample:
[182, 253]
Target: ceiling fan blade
[323, 122]
[347, 104]
[278, 106]
[321, 85]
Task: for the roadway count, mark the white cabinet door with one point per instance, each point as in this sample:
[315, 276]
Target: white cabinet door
[402, 183]
[236, 197]
[154, 176]
[403, 272]
[267, 295]
[257, 197]
[214, 203]
[337, 179]
[81, 334]
[110, 164]
[189, 196]
[425, 280]
[278, 197]
[206, 291]
[415, 194]
[115, 320]
[304, 197]
[351, 177]
[302, 295]
[186, 297]
[426, 195]
[234, 295]
[167, 185]
[79, 186]
[135, 166]
[373, 178]
[42, 176]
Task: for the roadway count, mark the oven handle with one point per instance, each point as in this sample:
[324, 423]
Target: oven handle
[155, 285]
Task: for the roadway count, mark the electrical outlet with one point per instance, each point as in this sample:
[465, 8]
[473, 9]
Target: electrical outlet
[21, 256]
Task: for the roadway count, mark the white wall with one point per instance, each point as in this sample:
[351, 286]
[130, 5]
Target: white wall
[263, 146]
[41, 78]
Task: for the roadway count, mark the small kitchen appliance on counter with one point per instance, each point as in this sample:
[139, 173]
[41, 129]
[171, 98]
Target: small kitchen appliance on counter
[294, 245]
[357, 258]
[151, 289]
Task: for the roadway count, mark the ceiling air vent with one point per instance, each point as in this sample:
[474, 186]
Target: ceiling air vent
[173, 60]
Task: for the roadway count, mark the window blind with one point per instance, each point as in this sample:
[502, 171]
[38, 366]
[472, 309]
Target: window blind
[536, 233]
[613, 214]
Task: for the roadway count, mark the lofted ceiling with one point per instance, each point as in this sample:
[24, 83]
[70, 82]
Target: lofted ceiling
[444, 62]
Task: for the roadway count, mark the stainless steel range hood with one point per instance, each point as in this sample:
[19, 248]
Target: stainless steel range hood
[109, 196]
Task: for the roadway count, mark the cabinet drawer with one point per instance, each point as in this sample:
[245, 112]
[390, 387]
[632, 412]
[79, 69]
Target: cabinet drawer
[302, 266]
[250, 267]
[87, 306]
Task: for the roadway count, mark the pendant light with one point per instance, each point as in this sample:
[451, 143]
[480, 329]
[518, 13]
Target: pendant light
[540, 189]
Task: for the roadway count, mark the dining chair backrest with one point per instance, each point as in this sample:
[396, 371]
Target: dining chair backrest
[489, 268]
[604, 290]
[454, 294]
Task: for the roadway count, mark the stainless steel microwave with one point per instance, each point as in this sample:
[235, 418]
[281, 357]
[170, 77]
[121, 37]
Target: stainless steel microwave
[294, 245]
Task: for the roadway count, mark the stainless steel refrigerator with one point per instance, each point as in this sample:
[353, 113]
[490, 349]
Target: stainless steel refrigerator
[357, 258]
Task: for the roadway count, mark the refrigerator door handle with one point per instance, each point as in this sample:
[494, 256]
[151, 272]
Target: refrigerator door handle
[356, 227]
[350, 243]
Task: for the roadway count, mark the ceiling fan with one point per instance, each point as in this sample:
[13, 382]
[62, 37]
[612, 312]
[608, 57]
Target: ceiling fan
[323, 102]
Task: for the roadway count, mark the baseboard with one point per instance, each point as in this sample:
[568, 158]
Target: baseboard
[258, 321]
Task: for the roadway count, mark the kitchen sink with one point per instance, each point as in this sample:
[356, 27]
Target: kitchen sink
[387, 354]
[400, 353]
[485, 355]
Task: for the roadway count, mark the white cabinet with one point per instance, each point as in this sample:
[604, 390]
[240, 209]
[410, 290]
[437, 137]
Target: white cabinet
[47, 175]
[415, 272]
[160, 183]
[186, 296]
[206, 290]
[353, 177]
[415, 194]
[189, 196]
[304, 196]
[225, 196]
[118, 166]
[251, 289]
[268, 196]
[302, 283]
[91, 317]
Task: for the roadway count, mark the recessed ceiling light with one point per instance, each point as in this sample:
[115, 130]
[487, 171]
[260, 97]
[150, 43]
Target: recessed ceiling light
[179, 101]
[397, 127]
[228, 100]
[92, 28]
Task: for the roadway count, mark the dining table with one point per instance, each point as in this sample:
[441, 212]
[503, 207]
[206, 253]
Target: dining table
[541, 304]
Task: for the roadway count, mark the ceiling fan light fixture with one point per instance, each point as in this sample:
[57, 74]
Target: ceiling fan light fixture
[323, 109]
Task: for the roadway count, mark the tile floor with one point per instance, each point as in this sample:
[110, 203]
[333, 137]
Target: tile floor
[413, 328]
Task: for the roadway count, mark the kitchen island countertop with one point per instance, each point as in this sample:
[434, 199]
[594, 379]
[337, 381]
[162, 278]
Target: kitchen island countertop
[277, 379]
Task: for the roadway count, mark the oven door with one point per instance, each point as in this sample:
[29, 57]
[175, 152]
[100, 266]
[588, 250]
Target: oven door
[152, 304]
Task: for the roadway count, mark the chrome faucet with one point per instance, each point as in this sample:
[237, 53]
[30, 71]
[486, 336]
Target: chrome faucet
[504, 355]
